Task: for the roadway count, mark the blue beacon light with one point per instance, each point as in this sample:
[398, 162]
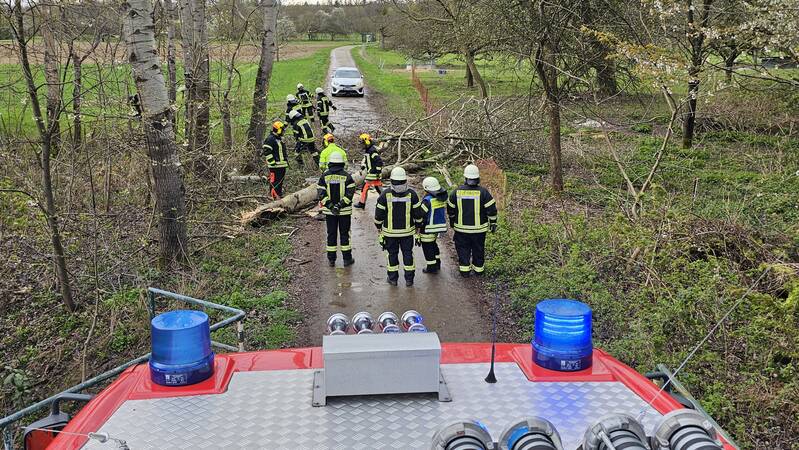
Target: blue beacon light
[181, 348]
[562, 339]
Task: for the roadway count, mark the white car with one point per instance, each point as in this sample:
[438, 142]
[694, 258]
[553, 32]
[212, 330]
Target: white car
[347, 80]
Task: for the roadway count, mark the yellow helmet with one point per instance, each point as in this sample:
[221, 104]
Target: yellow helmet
[329, 138]
[365, 138]
[277, 127]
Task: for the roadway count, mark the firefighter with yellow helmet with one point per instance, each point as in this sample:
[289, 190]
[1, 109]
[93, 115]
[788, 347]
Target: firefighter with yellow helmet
[372, 168]
[274, 152]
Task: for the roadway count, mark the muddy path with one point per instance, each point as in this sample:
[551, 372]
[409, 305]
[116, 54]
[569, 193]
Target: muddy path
[452, 306]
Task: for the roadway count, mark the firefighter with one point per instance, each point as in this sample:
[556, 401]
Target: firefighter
[304, 137]
[275, 154]
[335, 190]
[434, 222]
[372, 167]
[330, 147]
[472, 212]
[398, 214]
[292, 104]
[304, 98]
[323, 107]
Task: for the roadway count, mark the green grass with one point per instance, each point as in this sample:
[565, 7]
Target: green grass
[387, 78]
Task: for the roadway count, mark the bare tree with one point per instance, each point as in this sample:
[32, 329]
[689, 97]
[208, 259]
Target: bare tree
[46, 127]
[157, 119]
[255, 132]
[171, 65]
[196, 73]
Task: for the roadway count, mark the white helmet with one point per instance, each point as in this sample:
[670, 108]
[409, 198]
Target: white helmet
[291, 98]
[431, 184]
[294, 114]
[336, 157]
[398, 174]
[300, 86]
[320, 90]
[471, 172]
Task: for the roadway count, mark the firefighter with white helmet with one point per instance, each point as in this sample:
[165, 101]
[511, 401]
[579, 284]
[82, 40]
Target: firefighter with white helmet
[434, 222]
[292, 104]
[335, 190]
[398, 215]
[472, 213]
[323, 107]
[304, 136]
[304, 97]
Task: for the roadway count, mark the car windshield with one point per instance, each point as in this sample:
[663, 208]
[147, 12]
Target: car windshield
[347, 74]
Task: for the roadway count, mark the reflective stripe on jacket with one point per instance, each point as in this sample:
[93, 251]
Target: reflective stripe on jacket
[435, 213]
[274, 152]
[303, 131]
[323, 105]
[398, 215]
[372, 164]
[336, 187]
[471, 209]
[331, 148]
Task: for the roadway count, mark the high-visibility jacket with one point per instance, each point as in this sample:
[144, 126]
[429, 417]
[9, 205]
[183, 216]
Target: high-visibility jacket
[372, 164]
[274, 152]
[336, 187]
[304, 97]
[471, 209]
[292, 106]
[434, 208]
[323, 105]
[331, 148]
[398, 215]
[303, 131]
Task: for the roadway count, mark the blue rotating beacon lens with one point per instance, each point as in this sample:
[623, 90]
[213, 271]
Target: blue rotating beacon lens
[181, 348]
[562, 339]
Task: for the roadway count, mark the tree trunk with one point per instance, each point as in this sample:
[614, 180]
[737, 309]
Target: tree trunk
[472, 69]
[53, 80]
[77, 137]
[255, 132]
[187, 44]
[159, 135]
[555, 164]
[196, 67]
[605, 73]
[171, 67]
[729, 65]
[689, 117]
[469, 77]
[45, 134]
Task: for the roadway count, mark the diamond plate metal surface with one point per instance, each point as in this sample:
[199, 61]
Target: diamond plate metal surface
[272, 410]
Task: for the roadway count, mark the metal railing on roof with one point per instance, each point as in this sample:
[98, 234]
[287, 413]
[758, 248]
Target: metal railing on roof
[152, 294]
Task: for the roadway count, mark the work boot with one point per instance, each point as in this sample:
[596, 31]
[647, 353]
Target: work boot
[391, 282]
[332, 262]
[431, 270]
[359, 205]
[465, 274]
[349, 262]
[408, 283]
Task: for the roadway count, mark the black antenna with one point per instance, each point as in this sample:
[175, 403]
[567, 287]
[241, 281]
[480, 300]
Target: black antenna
[491, 378]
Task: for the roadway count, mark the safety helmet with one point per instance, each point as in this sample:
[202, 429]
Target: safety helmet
[320, 90]
[365, 138]
[471, 172]
[328, 138]
[291, 98]
[277, 127]
[431, 184]
[300, 86]
[336, 158]
[295, 115]
[398, 174]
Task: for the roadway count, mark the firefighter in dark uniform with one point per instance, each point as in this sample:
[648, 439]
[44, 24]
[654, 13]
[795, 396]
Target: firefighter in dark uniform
[304, 137]
[292, 104]
[434, 222]
[274, 152]
[472, 212]
[372, 167]
[335, 190]
[397, 216]
[306, 104]
[323, 107]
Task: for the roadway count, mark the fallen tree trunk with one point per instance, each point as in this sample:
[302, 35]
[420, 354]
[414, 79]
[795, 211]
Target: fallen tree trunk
[299, 200]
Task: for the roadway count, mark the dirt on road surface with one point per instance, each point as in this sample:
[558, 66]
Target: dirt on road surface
[451, 305]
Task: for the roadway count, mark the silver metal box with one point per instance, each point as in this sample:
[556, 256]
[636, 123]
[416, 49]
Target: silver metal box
[369, 364]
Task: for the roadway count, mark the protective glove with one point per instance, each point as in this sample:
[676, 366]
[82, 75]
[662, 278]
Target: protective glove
[492, 227]
[335, 209]
[381, 241]
[418, 240]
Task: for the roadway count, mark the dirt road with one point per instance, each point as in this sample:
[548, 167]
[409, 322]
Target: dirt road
[449, 304]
